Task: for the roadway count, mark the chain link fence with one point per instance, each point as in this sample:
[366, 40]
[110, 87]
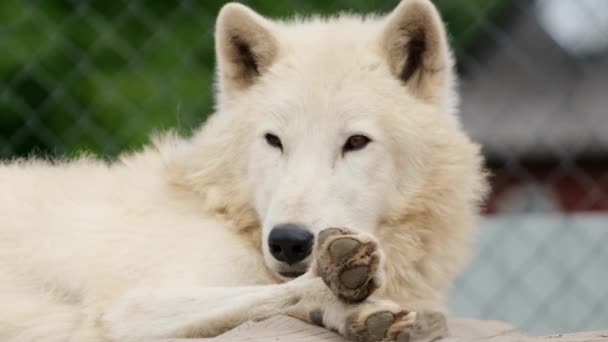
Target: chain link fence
[102, 75]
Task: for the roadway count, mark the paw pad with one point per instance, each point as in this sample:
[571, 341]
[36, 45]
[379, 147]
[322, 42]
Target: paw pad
[355, 277]
[378, 324]
[341, 248]
[327, 233]
[349, 263]
[403, 336]
[384, 325]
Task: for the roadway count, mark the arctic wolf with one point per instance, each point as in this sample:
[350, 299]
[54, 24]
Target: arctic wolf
[333, 184]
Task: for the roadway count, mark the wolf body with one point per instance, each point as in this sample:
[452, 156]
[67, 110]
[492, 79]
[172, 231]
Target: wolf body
[344, 128]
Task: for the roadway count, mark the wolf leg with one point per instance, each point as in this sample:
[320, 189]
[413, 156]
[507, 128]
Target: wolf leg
[196, 312]
[351, 265]
[146, 314]
[368, 321]
[377, 321]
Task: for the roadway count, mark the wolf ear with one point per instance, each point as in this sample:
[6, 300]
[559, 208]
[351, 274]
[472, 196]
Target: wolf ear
[244, 45]
[415, 44]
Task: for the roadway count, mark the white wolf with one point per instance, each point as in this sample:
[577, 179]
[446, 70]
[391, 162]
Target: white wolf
[346, 122]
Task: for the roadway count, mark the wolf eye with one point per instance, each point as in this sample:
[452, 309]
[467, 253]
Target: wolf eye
[355, 142]
[273, 141]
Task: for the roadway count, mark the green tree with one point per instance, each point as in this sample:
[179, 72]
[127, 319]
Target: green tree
[101, 75]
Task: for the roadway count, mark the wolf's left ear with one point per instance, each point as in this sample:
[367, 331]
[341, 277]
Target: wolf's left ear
[415, 44]
[245, 47]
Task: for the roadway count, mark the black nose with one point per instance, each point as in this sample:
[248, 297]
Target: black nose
[290, 243]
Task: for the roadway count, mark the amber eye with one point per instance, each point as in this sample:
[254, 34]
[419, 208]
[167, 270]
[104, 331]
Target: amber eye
[273, 141]
[355, 142]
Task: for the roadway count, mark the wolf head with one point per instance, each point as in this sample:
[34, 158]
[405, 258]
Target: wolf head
[333, 122]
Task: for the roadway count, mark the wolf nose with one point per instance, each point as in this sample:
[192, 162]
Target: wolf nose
[290, 243]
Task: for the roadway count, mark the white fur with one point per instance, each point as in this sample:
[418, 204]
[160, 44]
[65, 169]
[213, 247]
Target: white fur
[152, 245]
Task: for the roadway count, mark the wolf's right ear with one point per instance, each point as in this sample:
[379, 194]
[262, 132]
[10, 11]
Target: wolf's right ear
[245, 48]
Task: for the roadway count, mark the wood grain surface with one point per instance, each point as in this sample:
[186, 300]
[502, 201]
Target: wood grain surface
[287, 329]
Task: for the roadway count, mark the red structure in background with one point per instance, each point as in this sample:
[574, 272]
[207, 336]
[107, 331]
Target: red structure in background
[577, 187]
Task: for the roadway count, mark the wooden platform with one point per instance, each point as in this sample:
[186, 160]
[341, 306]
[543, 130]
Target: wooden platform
[287, 329]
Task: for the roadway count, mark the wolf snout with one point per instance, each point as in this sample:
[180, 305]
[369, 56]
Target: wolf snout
[290, 242]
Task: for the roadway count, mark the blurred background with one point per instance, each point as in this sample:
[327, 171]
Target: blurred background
[101, 75]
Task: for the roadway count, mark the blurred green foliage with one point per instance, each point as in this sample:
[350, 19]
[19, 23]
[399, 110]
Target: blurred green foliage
[101, 75]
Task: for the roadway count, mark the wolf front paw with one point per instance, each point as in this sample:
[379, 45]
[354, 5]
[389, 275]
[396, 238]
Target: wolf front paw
[395, 326]
[349, 263]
